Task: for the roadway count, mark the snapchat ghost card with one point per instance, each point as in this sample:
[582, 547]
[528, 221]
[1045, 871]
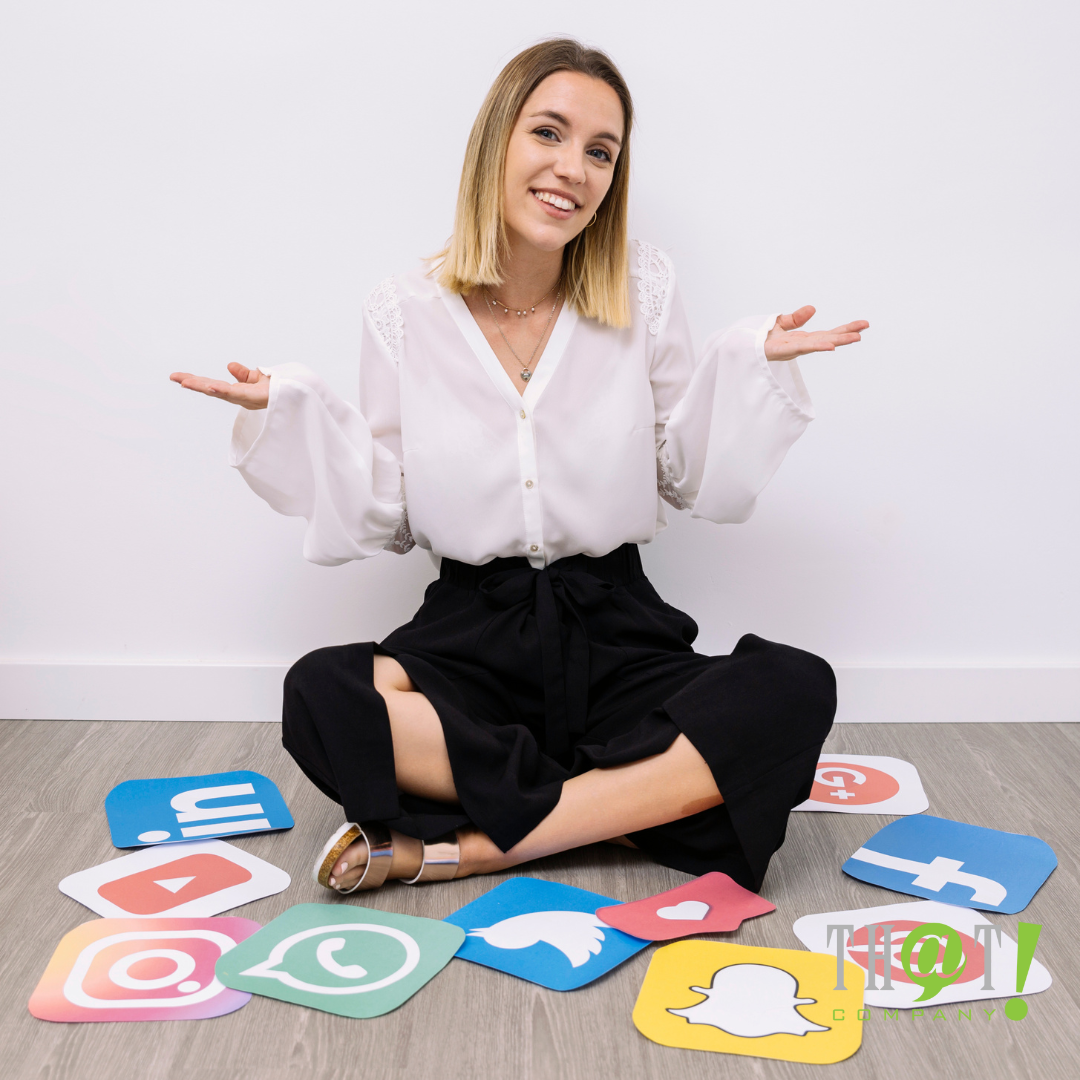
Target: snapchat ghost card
[738, 999]
[543, 931]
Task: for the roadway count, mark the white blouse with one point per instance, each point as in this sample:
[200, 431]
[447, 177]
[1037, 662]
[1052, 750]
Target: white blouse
[611, 421]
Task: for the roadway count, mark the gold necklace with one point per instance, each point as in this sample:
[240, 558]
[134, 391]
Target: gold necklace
[529, 308]
[525, 373]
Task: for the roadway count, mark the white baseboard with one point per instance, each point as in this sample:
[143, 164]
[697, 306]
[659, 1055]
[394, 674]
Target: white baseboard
[252, 692]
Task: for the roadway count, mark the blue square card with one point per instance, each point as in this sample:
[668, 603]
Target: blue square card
[543, 931]
[965, 865]
[177, 808]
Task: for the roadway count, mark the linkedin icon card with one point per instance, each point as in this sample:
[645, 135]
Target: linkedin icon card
[861, 784]
[141, 969]
[181, 808]
[341, 958]
[955, 863]
[193, 879]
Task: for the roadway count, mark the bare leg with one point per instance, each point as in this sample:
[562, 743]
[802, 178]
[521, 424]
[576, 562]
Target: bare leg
[606, 803]
[598, 805]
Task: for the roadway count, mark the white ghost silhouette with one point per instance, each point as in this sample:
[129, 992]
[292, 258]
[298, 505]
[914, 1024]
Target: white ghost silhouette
[576, 934]
[751, 1001]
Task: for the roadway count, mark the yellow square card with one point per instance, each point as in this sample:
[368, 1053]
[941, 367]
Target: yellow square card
[736, 999]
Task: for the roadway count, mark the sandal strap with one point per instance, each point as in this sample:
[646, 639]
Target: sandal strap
[380, 854]
[441, 858]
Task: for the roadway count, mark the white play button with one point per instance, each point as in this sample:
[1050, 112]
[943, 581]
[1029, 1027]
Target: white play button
[174, 884]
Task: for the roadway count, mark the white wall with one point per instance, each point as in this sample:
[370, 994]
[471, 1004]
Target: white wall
[188, 183]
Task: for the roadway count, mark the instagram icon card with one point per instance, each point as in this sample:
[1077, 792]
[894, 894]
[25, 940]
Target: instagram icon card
[141, 969]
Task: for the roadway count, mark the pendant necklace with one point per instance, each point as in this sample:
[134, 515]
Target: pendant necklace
[526, 372]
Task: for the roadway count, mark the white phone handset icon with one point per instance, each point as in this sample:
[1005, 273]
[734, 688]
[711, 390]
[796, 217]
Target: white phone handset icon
[325, 955]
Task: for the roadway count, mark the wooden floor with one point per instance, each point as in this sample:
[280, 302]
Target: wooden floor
[471, 1022]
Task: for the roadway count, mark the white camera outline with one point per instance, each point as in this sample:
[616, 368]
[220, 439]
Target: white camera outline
[74, 992]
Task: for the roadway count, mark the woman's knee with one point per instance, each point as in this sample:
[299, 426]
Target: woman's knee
[813, 683]
[325, 683]
[311, 671]
[800, 681]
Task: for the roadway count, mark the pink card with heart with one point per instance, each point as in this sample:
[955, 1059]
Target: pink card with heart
[709, 904]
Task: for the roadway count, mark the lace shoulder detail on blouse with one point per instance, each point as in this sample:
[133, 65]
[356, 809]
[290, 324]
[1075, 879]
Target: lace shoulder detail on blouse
[385, 312]
[665, 482]
[402, 540]
[654, 283]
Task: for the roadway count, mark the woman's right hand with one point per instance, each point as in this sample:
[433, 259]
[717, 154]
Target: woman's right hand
[251, 389]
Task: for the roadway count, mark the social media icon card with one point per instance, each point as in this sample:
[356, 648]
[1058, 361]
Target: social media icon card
[983, 963]
[965, 865]
[353, 961]
[734, 999]
[193, 880]
[710, 904]
[194, 808]
[543, 931]
[862, 784]
[141, 969]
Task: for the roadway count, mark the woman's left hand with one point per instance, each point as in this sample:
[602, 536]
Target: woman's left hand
[786, 340]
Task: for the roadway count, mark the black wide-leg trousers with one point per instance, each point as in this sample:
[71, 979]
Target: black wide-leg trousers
[540, 675]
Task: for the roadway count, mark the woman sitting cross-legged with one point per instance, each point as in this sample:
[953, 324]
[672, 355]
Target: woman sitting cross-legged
[529, 402]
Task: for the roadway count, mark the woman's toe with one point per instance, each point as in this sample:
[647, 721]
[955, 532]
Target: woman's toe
[353, 859]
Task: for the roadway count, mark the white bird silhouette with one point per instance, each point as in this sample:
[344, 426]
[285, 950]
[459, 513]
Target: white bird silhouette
[576, 934]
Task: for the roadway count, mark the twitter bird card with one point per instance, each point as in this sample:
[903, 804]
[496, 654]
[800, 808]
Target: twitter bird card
[543, 931]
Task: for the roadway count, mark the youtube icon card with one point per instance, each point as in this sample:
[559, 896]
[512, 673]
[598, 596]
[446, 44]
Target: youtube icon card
[192, 880]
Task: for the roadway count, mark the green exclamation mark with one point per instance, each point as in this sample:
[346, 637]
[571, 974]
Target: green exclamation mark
[1027, 937]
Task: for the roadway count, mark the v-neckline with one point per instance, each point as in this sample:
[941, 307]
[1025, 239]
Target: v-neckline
[481, 347]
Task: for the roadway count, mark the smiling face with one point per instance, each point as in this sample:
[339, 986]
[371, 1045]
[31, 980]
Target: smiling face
[560, 160]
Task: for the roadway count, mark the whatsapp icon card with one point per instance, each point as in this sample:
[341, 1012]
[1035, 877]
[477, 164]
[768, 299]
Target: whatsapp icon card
[343, 959]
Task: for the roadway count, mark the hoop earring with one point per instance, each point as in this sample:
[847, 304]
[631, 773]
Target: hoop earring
[593, 222]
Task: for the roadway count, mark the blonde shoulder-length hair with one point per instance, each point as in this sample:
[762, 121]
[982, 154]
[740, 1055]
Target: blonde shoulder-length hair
[596, 275]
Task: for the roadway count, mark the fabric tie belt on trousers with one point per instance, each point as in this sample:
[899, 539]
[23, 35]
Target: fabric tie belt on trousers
[557, 597]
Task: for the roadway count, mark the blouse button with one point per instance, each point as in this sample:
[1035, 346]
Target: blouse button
[534, 547]
[522, 414]
[528, 483]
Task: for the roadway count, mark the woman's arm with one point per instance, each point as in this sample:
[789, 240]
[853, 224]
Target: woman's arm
[310, 454]
[725, 424]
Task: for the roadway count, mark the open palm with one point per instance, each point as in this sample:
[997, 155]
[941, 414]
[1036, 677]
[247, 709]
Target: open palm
[786, 341]
[251, 389]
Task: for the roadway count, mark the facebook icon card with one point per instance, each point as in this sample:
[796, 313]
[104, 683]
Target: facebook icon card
[959, 864]
[194, 808]
[544, 932]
